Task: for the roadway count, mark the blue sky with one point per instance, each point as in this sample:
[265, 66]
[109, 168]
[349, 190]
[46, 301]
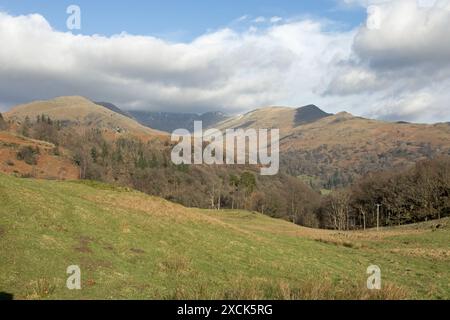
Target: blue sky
[179, 20]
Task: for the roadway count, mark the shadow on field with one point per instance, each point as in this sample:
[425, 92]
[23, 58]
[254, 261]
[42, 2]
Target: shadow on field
[6, 296]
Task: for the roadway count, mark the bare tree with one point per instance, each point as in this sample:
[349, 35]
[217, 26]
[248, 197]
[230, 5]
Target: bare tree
[339, 210]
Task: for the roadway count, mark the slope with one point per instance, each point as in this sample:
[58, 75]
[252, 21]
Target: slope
[80, 112]
[342, 147]
[169, 122]
[130, 245]
[114, 108]
[284, 118]
[22, 156]
[336, 149]
[265, 118]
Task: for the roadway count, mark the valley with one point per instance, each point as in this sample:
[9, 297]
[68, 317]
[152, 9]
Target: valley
[324, 159]
[82, 184]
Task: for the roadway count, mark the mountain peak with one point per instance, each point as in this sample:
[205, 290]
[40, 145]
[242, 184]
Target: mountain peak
[69, 100]
[308, 114]
[344, 114]
[310, 107]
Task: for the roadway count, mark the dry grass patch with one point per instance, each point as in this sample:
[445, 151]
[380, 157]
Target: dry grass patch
[340, 242]
[432, 253]
[40, 289]
[325, 289]
[176, 263]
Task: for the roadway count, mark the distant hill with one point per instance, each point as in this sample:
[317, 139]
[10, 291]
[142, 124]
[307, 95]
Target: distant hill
[166, 121]
[341, 147]
[329, 149]
[110, 147]
[80, 112]
[267, 118]
[338, 148]
[284, 118]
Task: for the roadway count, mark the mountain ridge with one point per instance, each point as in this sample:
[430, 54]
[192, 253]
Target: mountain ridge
[114, 108]
[169, 121]
[338, 148]
[334, 148]
[80, 112]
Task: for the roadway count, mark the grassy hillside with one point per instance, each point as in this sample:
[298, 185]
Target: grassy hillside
[130, 245]
[80, 112]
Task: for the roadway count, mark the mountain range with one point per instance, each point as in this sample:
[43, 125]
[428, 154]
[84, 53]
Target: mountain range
[169, 122]
[331, 150]
[328, 150]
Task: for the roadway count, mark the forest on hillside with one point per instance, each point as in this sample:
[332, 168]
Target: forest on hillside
[389, 198]
[381, 198]
[146, 166]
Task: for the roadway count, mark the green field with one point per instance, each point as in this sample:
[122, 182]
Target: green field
[133, 246]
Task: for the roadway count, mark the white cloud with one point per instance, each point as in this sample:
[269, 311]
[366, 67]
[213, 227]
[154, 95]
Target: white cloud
[226, 69]
[259, 20]
[402, 67]
[276, 19]
[242, 18]
[400, 70]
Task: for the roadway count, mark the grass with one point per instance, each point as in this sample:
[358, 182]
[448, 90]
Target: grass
[133, 246]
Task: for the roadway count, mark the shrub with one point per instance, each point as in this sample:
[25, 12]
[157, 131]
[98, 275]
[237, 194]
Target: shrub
[28, 154]
[41, 289]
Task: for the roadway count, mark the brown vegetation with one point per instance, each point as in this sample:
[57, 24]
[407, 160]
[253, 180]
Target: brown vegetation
[338, 149]
[418, 194]
[335, 150]
[27, 157]
[145, 165]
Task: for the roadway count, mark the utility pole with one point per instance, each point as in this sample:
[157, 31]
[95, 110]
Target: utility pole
[378, 216]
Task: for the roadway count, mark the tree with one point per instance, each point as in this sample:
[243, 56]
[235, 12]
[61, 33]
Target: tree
[3, 124]
[25, 128]
[362, 213]
[248, 182]
[94, 154]
[44, 129]
[28, 154]
[339, 209]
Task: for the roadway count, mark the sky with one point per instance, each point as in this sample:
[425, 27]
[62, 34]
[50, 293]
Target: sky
[176, 20]
[384, 59]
